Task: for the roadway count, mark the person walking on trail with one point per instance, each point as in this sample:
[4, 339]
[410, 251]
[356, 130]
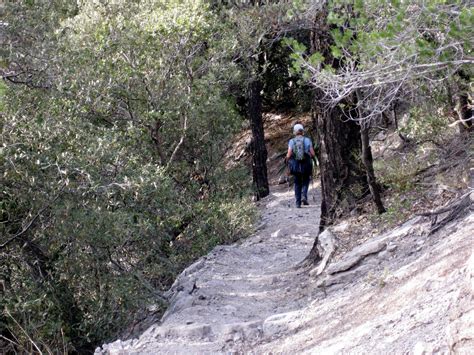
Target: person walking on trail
[299, 159]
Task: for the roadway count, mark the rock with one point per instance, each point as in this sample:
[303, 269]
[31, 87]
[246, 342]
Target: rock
[194, 332]
[359, 253]
[327, 245]
[178, 303]
[283, 179]
[460, 332]
[229, 309]
[115, 348]
[341, 227]
[391, 247]
[279, 323]
[241, 331]
[344, 277]
[422, 348]
[282, 255]
[276, 233]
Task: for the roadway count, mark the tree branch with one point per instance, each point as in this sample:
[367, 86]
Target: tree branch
[33, 220]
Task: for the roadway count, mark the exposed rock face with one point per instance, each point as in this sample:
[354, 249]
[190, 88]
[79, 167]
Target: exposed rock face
[401, 292]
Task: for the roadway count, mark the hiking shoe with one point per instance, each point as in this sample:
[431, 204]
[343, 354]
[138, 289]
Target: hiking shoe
[298, 206]
[305, 203]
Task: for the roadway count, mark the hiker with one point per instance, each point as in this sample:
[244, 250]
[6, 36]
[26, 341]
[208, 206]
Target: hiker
[299, 156]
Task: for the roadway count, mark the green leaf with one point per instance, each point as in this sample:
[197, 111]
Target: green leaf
[336, 52]
[316, 59]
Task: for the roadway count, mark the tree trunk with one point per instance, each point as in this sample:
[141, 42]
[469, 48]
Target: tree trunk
[368, 160]
[258, 149]
[343, 180]
[369, 169]
[463, 108]
[465, 113]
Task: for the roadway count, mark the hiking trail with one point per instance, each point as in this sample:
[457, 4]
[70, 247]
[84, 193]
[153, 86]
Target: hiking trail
[226, 296]
[404, 291]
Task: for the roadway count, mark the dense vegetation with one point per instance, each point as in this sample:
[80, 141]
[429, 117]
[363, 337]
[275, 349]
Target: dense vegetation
[116, 117]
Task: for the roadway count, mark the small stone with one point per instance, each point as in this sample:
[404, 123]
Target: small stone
[392, 247]
[422, 348]
[276, 233]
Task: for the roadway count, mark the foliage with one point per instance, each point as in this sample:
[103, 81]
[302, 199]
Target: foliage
[113, 179]
[386, 49]
[424, 126]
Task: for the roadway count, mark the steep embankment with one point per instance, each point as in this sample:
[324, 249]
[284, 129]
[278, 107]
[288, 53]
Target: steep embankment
[403, 291]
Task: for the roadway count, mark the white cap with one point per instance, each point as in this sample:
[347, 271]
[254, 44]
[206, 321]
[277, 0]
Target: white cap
[297, 128]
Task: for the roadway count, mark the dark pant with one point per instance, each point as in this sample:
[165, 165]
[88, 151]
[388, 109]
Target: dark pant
[301, 187]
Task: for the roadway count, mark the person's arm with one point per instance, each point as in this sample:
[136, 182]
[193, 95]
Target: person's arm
[312, 154]
[290, 151]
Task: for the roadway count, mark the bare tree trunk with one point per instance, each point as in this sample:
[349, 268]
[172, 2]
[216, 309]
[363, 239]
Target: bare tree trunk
[258, 149]
[369, 169]
[368, 161]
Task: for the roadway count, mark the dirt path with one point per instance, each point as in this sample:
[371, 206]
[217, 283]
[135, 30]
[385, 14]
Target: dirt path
[405, 291]
[225, 297]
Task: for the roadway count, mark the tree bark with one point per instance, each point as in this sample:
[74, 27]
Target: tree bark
[464, 108]
[343, 179]
[369, 169]
[368, 160]
[465, 113]
[258, 149]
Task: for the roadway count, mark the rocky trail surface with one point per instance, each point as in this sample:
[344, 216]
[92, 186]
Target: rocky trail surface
[405, 291]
